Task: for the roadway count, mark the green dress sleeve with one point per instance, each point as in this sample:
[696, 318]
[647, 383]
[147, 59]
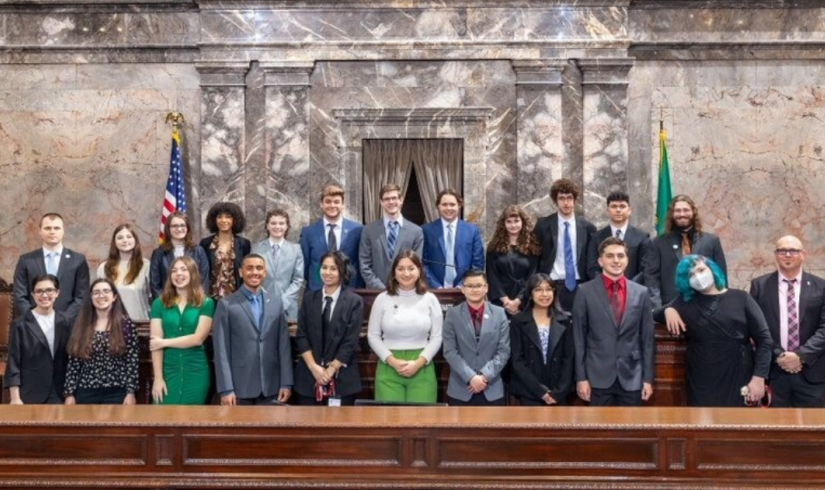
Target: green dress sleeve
[208, 308]
[157, 310]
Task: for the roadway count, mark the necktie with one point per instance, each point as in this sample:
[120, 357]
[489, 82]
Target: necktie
[449, 270]
[276, 251]
[256, 311]
[685, 243]
[332, 242]
[51, 263]
[569, 262]
[325, 323]
[793, 316]
[392, 238]
[619, 234]
[616, 302]
[477, 323]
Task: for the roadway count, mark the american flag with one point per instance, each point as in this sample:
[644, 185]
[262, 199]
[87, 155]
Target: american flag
[175, 199]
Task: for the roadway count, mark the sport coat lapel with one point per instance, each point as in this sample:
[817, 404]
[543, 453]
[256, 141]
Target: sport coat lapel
[321, 238]
[244, 303]
[604, 299]
[31, 323]
[631, 299]
[557, 329]
[532, 330]
[771, 293]
[554, 230]
[674, 242]
[804, 288]
[581, 234]
[65, 257]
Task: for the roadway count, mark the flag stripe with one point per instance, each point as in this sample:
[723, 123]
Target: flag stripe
[175, 197]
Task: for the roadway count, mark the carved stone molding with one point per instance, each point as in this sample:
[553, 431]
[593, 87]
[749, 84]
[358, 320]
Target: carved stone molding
[606, 71]
[541, 73]
[222, 73]
[287, 73]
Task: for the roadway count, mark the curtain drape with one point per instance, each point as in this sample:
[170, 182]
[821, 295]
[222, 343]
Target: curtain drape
[385, 162]
[438, 165]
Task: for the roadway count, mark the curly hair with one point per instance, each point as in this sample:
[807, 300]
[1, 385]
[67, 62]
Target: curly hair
[684, 268]
[527, 242]
[670, 223]
[564, 186]
[230, 209]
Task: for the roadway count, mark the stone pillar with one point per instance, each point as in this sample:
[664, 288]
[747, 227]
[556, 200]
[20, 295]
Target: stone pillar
[284, 182]
[605, 132]
[223, 130]
[540, 147]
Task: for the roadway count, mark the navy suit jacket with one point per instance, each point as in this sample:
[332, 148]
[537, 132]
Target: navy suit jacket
[469, 252]
[314, 246]
[72, 272]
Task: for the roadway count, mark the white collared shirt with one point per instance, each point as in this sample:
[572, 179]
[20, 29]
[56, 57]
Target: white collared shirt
[46, 323]
[57, 257]
[454, 224]
[783, 306]
[338, 230]
[557, 274]
[273, 242]
[387, 220]
[623, 228]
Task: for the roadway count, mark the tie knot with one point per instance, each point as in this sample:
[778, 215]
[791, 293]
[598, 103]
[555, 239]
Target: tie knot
[327, 300]
[393, 224]
[567, 224]
[331, 226]
[790, 282]
[614, 286]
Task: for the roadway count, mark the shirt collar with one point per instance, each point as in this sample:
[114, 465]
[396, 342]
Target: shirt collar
[58, 251]
[338, 223]
[249, 294]
[608, 283]
[334, 294]
[478, 312]
[400, 221]
[798, 277]
[272, 241]
[623, 228]
[571, 220]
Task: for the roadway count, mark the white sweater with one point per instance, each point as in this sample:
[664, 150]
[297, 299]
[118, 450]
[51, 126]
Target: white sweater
[405, 322]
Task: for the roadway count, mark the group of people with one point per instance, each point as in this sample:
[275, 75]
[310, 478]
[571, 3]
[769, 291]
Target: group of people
[548, 309]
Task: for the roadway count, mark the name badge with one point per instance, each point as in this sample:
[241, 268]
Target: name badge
[334, 401]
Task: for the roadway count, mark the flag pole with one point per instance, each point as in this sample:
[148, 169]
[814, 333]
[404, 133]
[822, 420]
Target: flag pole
[175, 195]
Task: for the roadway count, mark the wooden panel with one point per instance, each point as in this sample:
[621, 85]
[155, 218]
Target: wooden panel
[84, 448]
[759, 453]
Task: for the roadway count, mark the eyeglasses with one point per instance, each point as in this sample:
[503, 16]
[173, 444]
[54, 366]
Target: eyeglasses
[177, 227]
[45, 292]
[793, 252]
[101, 292]
[474, 287]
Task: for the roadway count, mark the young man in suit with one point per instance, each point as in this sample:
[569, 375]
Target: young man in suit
[793, 302]
[382, 239]
[684, 236]
[53, 258]
[253, 356]
[637, 241]
[331, 233]
[613, 334]
[37, 358]
[476, 340]
[284, 261]
[451, 245]
[564, 239]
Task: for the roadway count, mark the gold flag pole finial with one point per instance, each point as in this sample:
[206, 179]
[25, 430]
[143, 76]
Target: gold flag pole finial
[176, 119]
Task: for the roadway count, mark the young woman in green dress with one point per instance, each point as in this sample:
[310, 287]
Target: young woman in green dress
[181, 322]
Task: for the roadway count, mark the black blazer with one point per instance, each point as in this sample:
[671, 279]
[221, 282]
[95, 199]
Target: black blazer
[162, 260]
[507, 275]
[341, 341]
[547, 231]
[765, 290]
[243, 247]
[73, 274]
[666, 252]
[638, 244]
[532, 378]
[30, 364]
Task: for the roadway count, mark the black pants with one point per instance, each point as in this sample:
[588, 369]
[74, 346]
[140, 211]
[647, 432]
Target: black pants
[100, 396]
[346, 401]
[477, 400]
[615, 396]
[260, 400]
[793, 390]
[565, 298]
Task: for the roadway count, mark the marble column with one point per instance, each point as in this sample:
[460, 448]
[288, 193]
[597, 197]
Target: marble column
[540, 153]
[605, 132]
[285, 183]
[223, 131]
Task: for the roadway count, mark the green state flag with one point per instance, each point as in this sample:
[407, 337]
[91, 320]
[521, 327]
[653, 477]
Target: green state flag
[665, 193]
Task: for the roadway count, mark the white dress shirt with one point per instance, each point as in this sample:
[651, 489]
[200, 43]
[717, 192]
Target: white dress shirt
[557, 274]
[46, 323]
[337, 231]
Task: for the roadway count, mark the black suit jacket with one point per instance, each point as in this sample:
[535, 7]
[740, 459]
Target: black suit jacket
[638, 244]
[530, 376]
[30, 364]
[341, 341]
[243, 247]
[665, 254]
[765, 290]
[73, 274]
[161, 261]
[547, 231]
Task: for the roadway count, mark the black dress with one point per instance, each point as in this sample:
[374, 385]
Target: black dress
[507, 275]
[721, 332]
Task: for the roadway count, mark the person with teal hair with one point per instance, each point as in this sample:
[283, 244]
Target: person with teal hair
[721, 325]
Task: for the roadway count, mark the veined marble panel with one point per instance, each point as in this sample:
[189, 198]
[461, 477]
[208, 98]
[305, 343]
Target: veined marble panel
[751, 158]
[89, 147]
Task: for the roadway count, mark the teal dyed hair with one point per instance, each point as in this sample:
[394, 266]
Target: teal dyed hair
[683, 275]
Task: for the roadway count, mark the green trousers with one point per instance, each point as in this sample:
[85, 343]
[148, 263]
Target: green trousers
[392, 387]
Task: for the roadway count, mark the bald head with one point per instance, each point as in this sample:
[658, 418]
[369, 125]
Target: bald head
[790, 254]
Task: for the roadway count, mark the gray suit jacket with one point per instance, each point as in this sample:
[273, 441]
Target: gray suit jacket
[287, 276]
[248, 361]
[374, 254]
[468, 356]
[605, 351]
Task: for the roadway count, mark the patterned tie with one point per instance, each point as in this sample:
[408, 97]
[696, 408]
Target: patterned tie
[793, 316]
[51, 263]
[332, 242]
[686, 245]
[449, 271]
[616, 302]
[392, 238]
[619, 234]
[569, 262]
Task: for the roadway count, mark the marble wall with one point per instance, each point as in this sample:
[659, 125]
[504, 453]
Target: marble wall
[278, 94]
